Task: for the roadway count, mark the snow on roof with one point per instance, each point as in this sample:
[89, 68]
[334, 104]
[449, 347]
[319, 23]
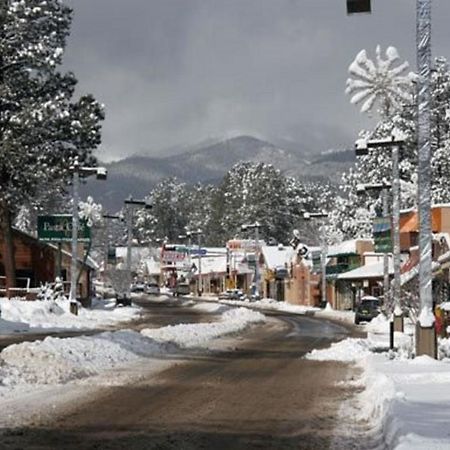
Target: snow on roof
[153, 267]
[277, 256]
[374, 270]
[344, 248]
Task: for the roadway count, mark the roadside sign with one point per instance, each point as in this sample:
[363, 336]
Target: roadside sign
[382, 235]
[58, 228]
[197, 251]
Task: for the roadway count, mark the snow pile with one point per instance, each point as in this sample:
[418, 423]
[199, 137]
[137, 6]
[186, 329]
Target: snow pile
[404, 399]
[270, 304]
[348, 350]
[198, 335]
[330, 313]
[56, 314]
[60, 360]
[56, 360]
[212, 308]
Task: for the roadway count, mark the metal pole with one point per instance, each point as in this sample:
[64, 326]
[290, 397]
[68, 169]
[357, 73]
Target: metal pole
[200, 284]
[386, 255]
[256, 260]
[129, 214]
[324, 264]
[425, 341]
[75, 221]
[398, 324]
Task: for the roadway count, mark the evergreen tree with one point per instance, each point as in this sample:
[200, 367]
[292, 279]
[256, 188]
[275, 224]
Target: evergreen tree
[41, 128]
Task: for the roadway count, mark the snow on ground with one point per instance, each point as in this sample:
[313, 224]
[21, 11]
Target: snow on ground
[212, 308]
[199, 335]
[56, 361]
[405, 401]
[49, 314]
[270, 304]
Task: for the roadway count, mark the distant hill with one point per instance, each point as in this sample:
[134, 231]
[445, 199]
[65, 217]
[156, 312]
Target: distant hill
[136, 175]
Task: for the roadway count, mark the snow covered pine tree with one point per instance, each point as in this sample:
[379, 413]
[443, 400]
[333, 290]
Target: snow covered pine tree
[41, 129]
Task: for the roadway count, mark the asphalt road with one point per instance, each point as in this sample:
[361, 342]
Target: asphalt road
[261, 395]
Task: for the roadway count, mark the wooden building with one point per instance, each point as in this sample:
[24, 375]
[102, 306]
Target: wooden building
[38, 263]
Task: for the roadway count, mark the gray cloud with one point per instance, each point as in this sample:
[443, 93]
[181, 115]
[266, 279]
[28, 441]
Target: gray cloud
[175, 72]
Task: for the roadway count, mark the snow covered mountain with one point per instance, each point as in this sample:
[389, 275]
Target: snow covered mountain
[136, 175]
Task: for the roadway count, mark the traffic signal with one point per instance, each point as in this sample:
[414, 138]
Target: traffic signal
[358, 6]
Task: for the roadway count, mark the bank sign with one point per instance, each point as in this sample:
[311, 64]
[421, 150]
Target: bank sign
[58, 228]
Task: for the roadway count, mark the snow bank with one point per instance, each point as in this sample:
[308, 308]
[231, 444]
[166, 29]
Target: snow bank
[270, 304]
[198, 335]
[56, 314]
[212, 308]
[406, 401]
[61, 360]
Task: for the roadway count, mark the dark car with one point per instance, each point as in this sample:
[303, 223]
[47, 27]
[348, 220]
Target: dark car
[368, 308]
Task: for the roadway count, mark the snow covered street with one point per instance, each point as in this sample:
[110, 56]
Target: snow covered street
[177, 386]
[35, 366]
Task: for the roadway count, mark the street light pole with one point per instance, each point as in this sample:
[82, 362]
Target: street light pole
[323, 253]
[394, 143]
[130, 205]
[76, 170]
[75, 222]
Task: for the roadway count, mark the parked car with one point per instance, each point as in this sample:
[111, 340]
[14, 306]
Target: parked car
[232, 294]
[182, 289]
[152, 289]
[138, 287]
[368, 308]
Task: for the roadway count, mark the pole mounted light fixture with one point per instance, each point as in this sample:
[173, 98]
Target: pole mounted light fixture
[77, 171]
[358, 6]
[132, 204]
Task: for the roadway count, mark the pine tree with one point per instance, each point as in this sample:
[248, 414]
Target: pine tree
[41, 128]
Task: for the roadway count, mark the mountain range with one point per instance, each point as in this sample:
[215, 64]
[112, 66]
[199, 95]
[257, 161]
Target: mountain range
[137, 175]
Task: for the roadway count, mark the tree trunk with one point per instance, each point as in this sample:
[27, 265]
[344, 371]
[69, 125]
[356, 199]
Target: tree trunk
[8, 248]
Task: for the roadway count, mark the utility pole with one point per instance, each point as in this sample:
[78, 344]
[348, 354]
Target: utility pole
[76, 170]
[130, 206]
[324, 251]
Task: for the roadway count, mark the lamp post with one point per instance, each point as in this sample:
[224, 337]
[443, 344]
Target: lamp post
[131, 205]
[324, 251]
[256, 227]
[383, 187]
[394, 143]
[197, 233]
[78, 171]
[109, 217]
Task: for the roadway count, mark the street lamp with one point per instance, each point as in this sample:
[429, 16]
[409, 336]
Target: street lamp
[324, 250]
[131, 205]
[189, 235]
[256, 226]
[358, 6]
[394, 143]
[109, 217]
[78, 171]
[383, 187]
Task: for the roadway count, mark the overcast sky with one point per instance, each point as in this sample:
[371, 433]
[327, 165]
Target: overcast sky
[176, 72]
